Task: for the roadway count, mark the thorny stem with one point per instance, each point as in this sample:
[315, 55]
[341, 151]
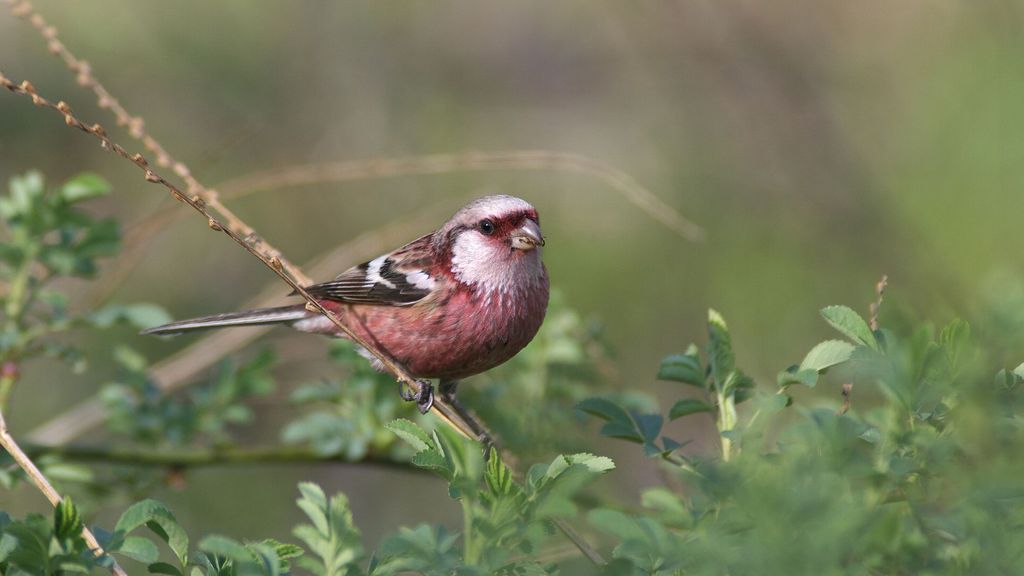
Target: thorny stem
[252, 243]
[44, 486]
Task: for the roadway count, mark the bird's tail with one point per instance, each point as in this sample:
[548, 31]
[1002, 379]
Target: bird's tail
[281, 314]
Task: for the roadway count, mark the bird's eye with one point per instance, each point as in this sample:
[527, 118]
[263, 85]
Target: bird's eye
[486, 227]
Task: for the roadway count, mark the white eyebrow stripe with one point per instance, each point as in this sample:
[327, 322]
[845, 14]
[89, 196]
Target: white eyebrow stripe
[420, 279]
[373, 272]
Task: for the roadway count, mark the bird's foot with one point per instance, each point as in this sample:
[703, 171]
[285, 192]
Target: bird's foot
[424, 398]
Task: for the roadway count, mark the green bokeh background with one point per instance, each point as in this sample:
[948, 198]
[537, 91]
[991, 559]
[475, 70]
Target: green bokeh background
[820, 144]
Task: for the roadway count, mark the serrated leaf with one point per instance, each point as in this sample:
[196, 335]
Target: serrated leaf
[826, 355]
[84, 186]
[595, 464]
[498, 476]
[67, 522]
[411, 433]
[433, 460]
[849, 323]
[688, 406]
[684, 368]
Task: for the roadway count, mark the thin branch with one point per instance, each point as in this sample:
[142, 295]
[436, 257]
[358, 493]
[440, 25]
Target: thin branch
[198, 457]
[471, 161]
[136, 127]
[44, 486]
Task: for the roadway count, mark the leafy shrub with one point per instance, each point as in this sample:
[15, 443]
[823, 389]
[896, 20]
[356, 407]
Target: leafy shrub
[912, 467]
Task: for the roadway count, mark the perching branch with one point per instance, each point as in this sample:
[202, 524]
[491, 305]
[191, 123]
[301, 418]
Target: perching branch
[8, 443]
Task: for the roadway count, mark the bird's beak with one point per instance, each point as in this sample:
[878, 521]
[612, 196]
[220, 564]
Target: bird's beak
[527, 237]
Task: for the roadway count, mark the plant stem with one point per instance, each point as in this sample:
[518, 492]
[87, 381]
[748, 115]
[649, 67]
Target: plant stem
[195, 458]
[44, 486]
[726, 422]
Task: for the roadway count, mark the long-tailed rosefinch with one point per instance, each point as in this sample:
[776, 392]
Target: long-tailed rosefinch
[448, 305]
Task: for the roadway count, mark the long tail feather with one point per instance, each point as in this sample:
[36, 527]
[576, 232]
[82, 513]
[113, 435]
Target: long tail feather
[246, 318]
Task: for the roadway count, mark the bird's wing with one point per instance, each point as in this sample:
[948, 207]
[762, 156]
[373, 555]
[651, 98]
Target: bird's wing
[400, 278]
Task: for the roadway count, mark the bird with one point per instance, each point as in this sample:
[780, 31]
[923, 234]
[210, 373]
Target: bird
[451, 304]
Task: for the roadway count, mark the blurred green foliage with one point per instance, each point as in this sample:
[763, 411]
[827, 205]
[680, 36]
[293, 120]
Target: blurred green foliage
[820, 144]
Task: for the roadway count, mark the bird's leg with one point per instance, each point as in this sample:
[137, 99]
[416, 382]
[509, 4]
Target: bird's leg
[424, 398]
[482, 434]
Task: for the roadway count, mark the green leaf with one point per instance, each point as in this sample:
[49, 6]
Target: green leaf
[720, 354]
[595, 464]
[333, 540]
[161, 521]
[845, 320]
[603, 409]
[826, 355]
[435, 461]
[793, 375]
[84, 186]
[619, 423]
[138, 548]
[67, 522]
[225, 548]
[411, 433]
[688, 406]
[498, 476]
[684, 368]
[163, 568]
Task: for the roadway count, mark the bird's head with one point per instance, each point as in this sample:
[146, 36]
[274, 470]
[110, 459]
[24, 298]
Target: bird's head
[494, 242]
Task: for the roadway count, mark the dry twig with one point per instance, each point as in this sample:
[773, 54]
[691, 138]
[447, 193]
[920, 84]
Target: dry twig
[136, 127]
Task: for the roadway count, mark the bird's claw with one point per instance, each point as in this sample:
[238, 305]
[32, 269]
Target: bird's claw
[424, 398]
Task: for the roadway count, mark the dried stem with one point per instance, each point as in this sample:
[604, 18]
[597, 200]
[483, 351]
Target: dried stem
[44, 486]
